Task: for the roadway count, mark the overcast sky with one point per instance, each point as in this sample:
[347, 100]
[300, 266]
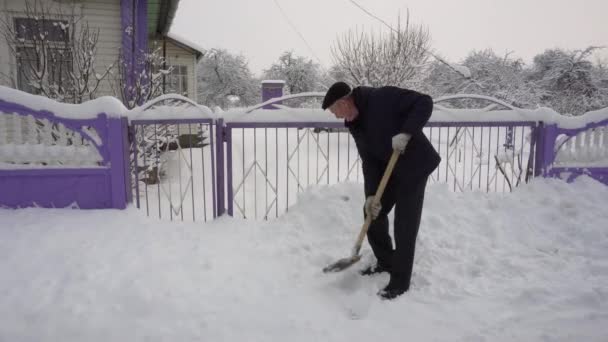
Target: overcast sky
[258, 30]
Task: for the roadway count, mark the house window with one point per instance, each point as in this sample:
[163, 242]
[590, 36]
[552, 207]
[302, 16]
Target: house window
[42, 50]
[30, 29]
[177, 80]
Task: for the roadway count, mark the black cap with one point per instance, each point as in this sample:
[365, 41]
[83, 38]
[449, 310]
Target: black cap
[335, 92]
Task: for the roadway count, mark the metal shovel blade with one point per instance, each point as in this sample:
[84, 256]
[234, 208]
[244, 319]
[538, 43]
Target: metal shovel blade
[342, 264]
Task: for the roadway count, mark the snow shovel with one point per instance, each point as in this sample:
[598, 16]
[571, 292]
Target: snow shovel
[344, 263]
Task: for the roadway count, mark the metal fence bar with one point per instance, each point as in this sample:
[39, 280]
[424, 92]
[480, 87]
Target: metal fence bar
[169, 173]
[465, 148]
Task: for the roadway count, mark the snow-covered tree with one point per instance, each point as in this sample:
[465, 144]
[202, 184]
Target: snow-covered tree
[567, 81]
[503, 77]
[600, 77]
[55, 52]
[225, 80]
[299, 73]
[397, 58]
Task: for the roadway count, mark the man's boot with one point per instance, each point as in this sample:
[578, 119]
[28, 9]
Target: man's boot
[397, 286]
[374, 269]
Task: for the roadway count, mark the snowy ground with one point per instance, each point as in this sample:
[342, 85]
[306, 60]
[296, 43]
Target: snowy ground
[525, 266]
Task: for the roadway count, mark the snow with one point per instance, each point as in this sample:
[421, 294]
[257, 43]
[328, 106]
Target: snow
[525, 266]
[186, 42]
[273, 81]
[153, 110]
[171, 112]
[275, 100]
[463, 70]
[281, 115]
[170, 106]
[87, 110]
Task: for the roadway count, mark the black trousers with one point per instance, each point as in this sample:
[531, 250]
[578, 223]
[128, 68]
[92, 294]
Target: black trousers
[407, 198]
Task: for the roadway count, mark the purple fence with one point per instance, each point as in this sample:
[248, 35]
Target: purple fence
[173, 159]
[569, 153]
[269, 163]
[173, 168]
[51, 161]
[186, 164]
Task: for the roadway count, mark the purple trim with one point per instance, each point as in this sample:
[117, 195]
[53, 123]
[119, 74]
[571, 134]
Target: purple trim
[56, 188]
[539, 146]
[120, 184]
[230, 189]
[134, 18]
[481, 124]
[213, 153]
[220, 133]
[171, 121]
[289, 124]
[55, 172]
[128, 31]
[271, 90]
[141, 31]
[132, 133]
[141, 41]
[230, 125]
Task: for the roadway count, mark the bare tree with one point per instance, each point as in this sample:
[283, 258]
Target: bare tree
[54, 51]
[398, 58]
[149, 72]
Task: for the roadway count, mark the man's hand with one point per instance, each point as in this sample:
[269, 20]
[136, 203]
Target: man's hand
[400, 141]
[372, 208]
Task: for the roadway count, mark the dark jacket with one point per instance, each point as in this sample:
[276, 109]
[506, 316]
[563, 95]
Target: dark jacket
[383, 113]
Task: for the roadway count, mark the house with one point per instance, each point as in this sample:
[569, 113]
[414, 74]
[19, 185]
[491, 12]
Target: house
[38, 32]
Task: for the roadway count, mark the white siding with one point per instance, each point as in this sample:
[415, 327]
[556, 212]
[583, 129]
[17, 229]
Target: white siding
[101, 14]
[177, 55]
[105, 15]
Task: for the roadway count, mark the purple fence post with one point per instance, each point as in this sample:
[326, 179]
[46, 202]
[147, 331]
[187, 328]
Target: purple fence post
[119, 164]
[219, 180]
[229, 189]
[134, 25]
[545, 149]
[539, 138]
[271, 90]
[128, 31]
[141, 43]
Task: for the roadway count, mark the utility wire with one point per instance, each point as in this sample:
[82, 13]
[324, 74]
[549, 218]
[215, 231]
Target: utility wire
[295, 29]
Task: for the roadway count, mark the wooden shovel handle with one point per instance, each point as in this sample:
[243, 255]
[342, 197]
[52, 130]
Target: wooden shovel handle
[377, 198]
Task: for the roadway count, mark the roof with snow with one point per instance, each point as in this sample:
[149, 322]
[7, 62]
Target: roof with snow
[183, 42]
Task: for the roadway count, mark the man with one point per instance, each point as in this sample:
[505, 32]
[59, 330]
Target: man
[382, 120]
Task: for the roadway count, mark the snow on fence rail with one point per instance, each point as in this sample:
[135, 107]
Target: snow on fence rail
[271, 158]
[58, 155]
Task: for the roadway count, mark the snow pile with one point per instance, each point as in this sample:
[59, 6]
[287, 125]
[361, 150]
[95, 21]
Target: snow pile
[87, 110]
[526, 266]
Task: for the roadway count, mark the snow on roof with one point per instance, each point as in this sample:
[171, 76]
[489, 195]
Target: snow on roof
[185, 42]
[273, 81]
